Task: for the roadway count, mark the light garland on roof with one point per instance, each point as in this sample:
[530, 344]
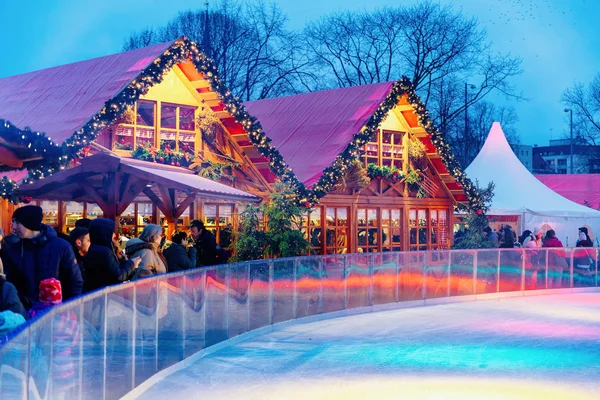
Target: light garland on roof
[184, 49]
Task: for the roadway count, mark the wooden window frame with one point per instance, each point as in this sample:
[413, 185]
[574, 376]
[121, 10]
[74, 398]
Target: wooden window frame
[217, 227]
[397, 149]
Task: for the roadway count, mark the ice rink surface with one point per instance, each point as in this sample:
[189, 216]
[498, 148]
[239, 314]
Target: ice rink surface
[535, 347]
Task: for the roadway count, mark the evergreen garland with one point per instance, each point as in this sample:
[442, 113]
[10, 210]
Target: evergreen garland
[184, 50]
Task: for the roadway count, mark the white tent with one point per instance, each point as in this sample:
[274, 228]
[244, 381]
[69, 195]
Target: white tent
[517, 192]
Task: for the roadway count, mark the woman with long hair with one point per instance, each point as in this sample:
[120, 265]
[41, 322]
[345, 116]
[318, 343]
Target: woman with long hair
[147, 248]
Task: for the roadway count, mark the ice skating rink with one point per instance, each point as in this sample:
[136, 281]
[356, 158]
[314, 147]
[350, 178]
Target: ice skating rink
[534, 347]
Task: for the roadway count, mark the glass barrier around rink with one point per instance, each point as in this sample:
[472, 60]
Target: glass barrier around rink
[107, 343]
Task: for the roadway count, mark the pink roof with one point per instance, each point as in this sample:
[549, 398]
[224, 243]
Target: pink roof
[60, 100]
[577, 187]
[311, 129]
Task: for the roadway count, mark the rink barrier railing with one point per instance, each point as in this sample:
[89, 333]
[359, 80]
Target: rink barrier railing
[107, 343]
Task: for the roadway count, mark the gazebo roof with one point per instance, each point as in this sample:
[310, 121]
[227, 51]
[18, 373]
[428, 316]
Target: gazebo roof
[114, 182]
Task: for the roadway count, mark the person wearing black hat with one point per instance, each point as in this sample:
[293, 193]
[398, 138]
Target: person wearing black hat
[39, 254]
[204, 242]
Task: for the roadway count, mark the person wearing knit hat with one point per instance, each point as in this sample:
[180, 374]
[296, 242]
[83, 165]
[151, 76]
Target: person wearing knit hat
[50, 296]
[39, 254]
[538, 233]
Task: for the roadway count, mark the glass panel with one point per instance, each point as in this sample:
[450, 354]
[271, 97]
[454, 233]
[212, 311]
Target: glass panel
[535, 269]
[511, 266]
[187, 142]
[167, 139]
[238, 299]
[342, 216]
[412, 216]
[50, 212]
[186, 118]
[194, 302]
[436, 274]
[127, 221]
[14, 359]
[123, 138]
[66, 353]
[487, 271]
[584, 271]
[119, 348]
[358, 281]
[361, 216]
[145, 113]
[74, 212]
[433, 217]
[93, 211]
[333, 283]
[461, 273]
[410, 276]
[226, 214]
[558, 269]
[384, 278]
[144, 216]
[93, 337]
[330, 218]
[170, 323]
[216, 306]
[144, 137]
[210, 214]
[422, 215]
[308, 286]
[259, 294]
[146, 300]
[443, 231]
[283, 290]
[168, 116]
[372, 217]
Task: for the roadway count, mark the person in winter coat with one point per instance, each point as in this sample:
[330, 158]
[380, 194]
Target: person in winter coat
[178, 257]
[491, 235]
[39, 254]
[80, 240]
[584, 238]
[527, 240]
[9, 298]
[551, 240]
[101, 264]
[205, 244]
[146, 247]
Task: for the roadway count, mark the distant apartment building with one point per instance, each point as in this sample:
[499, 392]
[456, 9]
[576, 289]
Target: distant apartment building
[525, 154]
[557, 158]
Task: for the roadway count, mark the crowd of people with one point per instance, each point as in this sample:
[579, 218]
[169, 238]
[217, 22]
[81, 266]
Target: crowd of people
[39, 267]
[506, 237]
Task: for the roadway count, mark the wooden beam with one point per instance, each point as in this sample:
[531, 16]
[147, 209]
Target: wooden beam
[185, 204]
[133, 188]
[9, 158]
[168, 198]
[155, 200]
[93, 193]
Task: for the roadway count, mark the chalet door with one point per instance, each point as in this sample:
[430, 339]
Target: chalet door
[378, 229]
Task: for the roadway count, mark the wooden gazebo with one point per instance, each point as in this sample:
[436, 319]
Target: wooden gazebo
[114, 182]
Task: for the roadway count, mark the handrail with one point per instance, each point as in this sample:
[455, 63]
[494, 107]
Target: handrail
[107, 343]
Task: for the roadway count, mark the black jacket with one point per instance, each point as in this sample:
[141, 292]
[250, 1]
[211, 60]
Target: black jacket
[101, 265]
[29, 261]
[9, 298]
[206, 247]
[178, 258]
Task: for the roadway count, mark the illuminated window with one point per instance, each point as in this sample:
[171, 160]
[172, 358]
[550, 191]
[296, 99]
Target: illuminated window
[428, 229]
[369, 237]
[177, 128]
[336, 225]
[384, 149]
[218, 219]
[312, 229]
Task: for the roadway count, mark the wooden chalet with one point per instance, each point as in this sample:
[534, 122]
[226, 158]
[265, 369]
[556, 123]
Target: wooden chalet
[165, 105]
[60, 101]
[388, 214]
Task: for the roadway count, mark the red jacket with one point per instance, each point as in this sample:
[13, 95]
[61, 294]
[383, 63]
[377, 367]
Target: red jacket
[552, 242]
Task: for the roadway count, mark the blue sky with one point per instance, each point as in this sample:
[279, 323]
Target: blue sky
[558, 40]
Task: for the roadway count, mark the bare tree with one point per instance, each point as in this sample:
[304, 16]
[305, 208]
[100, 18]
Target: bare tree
[255, 54]
[585, 103]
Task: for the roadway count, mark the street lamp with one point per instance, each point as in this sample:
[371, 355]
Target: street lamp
[570, 110]
[466, 138]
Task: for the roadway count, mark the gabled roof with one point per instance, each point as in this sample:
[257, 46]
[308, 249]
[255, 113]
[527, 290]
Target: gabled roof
[310, 130]
[313, 130]
[580, 188]
[516, 190]
[60, 100]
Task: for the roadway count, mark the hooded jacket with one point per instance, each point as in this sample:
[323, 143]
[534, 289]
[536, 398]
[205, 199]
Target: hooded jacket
[178, 258]
[151, 261]
[552, 242]
[27, 262]
[101, 265]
